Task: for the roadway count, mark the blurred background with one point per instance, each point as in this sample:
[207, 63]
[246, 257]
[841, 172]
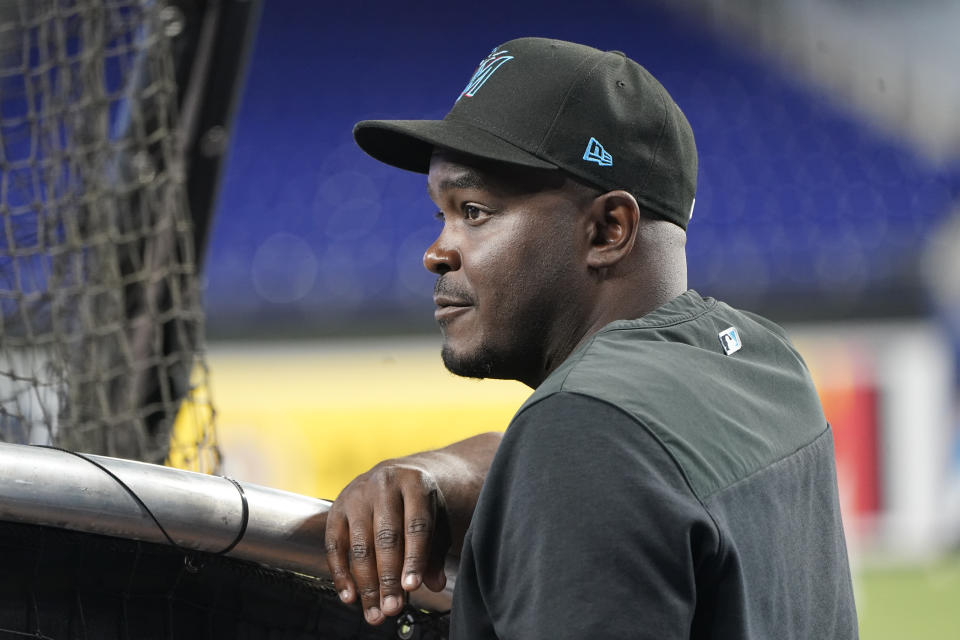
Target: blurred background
[828, 200]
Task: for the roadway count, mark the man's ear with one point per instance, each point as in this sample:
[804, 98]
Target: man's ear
[614, 219]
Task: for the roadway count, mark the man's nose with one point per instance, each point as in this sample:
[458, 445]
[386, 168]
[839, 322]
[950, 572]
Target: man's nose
[440, 259]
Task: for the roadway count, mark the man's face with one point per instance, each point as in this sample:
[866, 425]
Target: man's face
[509, 265]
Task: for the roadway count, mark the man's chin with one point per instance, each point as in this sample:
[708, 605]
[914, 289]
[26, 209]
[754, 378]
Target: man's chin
[478, 363]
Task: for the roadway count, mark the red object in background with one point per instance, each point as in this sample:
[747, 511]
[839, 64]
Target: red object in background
[852, 412]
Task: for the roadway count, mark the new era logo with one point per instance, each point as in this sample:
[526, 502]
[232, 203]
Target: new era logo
[596, 153]
[730, 340]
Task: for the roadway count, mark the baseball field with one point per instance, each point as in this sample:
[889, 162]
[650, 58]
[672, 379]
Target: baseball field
[915, 603]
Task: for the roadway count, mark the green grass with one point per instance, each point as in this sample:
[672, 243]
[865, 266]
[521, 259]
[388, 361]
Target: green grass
[910, 603]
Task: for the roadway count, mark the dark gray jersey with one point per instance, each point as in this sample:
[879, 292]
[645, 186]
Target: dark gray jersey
[655, 486]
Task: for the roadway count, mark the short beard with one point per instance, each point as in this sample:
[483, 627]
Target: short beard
[496, 363]
[480, 364]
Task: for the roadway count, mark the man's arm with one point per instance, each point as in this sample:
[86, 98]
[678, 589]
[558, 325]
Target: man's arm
[391, 527]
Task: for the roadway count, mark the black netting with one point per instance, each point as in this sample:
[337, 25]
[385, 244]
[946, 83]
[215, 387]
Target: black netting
[100, 313]
[65, 585]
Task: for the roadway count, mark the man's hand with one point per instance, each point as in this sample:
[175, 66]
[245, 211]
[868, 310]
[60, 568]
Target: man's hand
[390, 529]
[387, 526]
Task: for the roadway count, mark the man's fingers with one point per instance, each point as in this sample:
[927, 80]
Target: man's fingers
[418, 528]
[363, 565]
[337, 544]
[351, 558]
[434, 577]
[389, 547]
[382, 539]
[419, 511]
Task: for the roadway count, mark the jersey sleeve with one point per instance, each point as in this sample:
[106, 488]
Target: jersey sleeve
[586, 528]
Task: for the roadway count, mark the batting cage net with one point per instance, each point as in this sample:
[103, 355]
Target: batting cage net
[100, 315]
[113, 119]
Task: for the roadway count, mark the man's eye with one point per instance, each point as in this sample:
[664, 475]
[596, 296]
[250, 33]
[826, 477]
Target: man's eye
[471, 212]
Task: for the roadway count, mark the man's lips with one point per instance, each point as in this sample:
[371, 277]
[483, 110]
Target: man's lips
[448, 308]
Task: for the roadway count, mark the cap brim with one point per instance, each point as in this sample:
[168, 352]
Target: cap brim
[409, 144]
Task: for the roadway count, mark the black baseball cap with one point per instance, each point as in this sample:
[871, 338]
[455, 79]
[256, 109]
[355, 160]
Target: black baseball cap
[550, 104]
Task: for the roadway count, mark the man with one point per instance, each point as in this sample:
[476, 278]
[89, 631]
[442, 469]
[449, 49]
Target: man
[672, 475]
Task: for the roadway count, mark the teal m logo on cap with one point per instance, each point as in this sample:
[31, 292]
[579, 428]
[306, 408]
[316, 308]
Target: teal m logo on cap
[596, 153]
[487, 68]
